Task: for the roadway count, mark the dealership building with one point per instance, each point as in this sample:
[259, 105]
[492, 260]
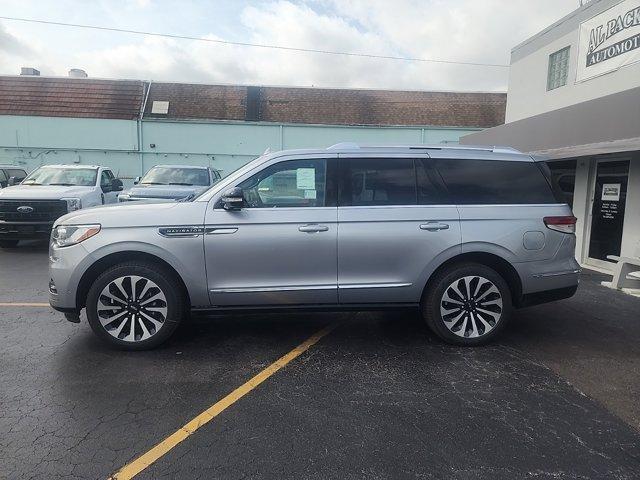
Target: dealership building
[131, 125]
[574, 98]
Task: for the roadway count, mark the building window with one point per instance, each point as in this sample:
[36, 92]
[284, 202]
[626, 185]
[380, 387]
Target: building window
[558, 69]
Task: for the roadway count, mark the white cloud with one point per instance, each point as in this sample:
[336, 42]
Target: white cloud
[463, 30]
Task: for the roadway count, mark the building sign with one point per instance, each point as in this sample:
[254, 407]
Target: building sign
[609, 40]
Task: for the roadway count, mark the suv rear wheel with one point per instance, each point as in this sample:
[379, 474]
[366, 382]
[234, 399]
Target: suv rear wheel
[135, 305]
[467, 304]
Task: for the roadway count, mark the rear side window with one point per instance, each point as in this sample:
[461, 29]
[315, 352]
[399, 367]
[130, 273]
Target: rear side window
[377, 181]
[489, 182]
[431, 188]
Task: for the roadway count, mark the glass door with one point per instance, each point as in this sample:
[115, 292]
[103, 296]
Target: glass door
[607, 210]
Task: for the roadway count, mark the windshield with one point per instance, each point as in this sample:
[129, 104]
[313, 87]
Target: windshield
[176, 176]
[84, 177]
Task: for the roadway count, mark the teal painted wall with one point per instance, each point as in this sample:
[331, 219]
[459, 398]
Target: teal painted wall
[34, 141]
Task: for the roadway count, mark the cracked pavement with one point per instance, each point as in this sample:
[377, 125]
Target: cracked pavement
[380, 397]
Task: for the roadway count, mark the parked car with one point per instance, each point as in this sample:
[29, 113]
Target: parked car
[168, 183]
[29, 209]
[10, 175]
[465, 234]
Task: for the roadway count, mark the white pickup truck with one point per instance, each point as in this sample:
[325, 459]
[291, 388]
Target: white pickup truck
[29, 209]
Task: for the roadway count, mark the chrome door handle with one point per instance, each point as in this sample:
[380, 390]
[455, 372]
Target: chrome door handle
[434, 226]
[311, 228]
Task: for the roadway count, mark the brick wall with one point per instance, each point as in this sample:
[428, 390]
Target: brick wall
[123, 99]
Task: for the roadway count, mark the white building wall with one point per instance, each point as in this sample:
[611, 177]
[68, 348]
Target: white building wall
[582, 205]
[528, 93]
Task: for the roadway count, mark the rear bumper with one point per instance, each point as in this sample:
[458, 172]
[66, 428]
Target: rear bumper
[547, 296]
[25, 230]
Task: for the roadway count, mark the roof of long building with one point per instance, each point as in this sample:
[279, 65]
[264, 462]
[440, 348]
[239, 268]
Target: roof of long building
[70, 97]
[124, 99]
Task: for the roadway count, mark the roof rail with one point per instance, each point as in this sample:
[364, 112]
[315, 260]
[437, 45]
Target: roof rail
[355, 146]
[344, 146]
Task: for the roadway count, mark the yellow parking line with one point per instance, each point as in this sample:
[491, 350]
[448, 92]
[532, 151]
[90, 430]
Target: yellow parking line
[23, 304]
[146, 459]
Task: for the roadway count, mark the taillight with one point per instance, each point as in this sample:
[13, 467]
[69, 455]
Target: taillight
[566, 224]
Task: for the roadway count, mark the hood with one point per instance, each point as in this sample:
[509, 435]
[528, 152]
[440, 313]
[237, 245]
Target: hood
[134, 214]
[165, 191]
[42, 192]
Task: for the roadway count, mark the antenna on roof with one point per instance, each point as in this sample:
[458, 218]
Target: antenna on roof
[268, 150]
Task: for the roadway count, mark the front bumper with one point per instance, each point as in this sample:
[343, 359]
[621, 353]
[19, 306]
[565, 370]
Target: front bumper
[66, 267]
[25, 230]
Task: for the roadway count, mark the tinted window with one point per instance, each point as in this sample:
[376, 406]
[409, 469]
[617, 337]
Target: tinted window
[431, 188]
[3, 177]
[294, 183]
[377, 181]
[494, 182]
[105, 178]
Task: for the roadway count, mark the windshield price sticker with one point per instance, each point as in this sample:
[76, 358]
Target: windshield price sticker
[306, 178]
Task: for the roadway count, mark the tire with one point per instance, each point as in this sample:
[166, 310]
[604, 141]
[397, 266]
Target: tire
[112, 307]
[467, 320]
[8, 243]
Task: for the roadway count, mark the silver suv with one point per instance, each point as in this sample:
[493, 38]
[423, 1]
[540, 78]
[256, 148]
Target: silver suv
[465, 234]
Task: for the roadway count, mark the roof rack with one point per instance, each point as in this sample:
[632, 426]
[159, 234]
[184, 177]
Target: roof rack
[355, 146]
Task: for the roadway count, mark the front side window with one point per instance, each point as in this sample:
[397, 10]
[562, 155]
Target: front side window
[176, 176]
[18, 174]
[377, 181]
[106, 178]
[84, 177]
[292, 183]
[558, 69]
[494, 182]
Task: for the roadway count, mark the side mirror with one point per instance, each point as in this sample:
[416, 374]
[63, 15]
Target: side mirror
[233, 199]
[12, 181]
[116, 185]
[136, 180]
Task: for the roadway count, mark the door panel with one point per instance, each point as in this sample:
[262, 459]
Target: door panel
[383, 251]
[393, 221]
[265, 256]
[281, 248]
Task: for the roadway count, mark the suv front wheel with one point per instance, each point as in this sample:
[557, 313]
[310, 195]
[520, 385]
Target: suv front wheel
[135, 305]
[467, 304]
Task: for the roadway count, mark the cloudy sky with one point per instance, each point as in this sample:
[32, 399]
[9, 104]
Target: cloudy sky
[459, 30]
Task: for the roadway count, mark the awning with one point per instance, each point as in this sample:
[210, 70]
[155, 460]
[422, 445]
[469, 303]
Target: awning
[607, 124]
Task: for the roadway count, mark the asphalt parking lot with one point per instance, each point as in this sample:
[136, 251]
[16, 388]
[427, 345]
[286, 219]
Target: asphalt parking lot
[377, 397]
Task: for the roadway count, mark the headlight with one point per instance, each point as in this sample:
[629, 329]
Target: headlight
[124, 197]
[67, 235]
[73, 204]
